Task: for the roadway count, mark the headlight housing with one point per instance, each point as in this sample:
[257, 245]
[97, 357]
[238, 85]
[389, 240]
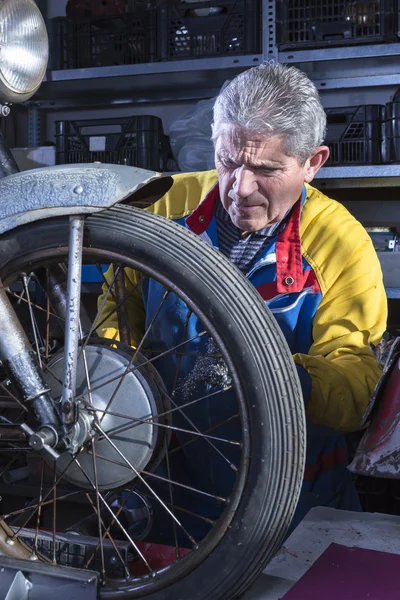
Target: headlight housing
[24, 49]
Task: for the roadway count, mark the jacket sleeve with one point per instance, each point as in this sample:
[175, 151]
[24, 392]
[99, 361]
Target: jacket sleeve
[352, 315]
[134, 309]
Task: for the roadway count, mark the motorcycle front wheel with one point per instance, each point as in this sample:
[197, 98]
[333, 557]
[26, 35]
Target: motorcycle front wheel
[220, 484]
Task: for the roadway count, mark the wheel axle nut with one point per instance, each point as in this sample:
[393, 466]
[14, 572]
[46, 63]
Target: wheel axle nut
[66, 408]
[40, 439]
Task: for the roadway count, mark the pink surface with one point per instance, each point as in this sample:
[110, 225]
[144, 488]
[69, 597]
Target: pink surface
[343, 573]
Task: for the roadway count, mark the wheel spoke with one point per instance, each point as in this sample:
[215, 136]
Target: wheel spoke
[94, 325]
[206, 438]
[106, 533]
[36, 306]
[135, 368]
[165, 479]
[47, 316]
[40, 504]
[128, 537]
[137, 473]
[195, 438]
[134, 356]
[165, 413]
[16, 513]
[122, 316]
[178, 366]
[33, 320]
[54, 559]
[186, 511]
[52, 373]
[39, 513]
[113, 311]
[197, 433]
[9, 393]
[97, 508]
[106, 530]
[184, 486]
[11, 462]
[171, 499]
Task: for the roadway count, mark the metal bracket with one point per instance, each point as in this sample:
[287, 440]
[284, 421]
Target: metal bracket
[270, 47]
[19, 589]
[35, 580]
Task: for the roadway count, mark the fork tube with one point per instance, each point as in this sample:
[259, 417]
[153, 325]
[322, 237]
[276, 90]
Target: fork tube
[72, 329]
[22, 366]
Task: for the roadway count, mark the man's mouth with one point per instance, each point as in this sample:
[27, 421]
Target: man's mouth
[245, 207]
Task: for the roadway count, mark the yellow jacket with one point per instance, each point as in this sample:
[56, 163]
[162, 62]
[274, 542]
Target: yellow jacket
[351, 306]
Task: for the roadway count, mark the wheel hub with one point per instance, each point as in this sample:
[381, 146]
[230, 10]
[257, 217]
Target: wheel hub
[131, 419]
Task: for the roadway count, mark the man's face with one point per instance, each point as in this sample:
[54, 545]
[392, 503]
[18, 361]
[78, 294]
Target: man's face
[258, 182]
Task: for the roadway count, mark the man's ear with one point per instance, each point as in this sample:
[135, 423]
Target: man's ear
[315, 162]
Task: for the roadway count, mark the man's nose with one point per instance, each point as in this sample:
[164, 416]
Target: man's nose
[245, 182]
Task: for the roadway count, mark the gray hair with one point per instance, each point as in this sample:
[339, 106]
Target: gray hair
[274, 99]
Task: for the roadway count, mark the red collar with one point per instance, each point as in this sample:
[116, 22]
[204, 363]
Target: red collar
[289, 264]
[201, 217]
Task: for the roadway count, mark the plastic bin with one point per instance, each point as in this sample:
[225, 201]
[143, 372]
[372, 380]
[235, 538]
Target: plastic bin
[137, 141]
[205, 29]
[322, 23]
[392, 131]
[374, 493]
[355, 135]
[113, 40]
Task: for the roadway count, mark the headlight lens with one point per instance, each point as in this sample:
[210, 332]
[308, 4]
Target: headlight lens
[24, 46]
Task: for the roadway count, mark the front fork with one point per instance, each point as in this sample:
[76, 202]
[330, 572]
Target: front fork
[23, 365]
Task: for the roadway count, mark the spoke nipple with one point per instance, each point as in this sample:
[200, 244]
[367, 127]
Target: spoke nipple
[195, 547]
[33, 556]
[10, 541]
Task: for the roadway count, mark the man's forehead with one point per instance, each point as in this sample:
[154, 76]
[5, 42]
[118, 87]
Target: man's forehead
[242, 147]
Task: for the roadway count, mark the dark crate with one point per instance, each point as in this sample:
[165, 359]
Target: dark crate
[392, 129]
[204, 29]
[374, 494]
[322, 23]
[355, 135]
[113, 40]
[137, 141]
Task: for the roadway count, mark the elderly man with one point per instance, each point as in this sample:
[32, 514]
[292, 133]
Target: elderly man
[311, 261]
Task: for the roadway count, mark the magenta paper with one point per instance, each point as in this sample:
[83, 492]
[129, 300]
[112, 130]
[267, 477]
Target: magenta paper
[343, 573]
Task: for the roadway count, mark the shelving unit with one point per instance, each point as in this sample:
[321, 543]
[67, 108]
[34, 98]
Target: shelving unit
[358, 67]
[330, 69]
[191, 79]
[349, 67]
[362, 176]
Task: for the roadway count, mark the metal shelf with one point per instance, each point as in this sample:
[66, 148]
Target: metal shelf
[393, 293]
[349, 67]
[151, 82]
[359, 176]
[342, 53]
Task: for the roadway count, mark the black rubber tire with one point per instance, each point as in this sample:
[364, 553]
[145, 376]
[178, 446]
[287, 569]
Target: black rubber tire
[267, 371]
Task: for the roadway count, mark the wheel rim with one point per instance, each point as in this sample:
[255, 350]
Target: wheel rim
[166, 576]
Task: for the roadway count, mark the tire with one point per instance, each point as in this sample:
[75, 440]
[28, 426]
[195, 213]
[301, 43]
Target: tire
[267, 375]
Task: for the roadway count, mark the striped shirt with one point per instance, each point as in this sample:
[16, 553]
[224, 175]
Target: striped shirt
[241, 250]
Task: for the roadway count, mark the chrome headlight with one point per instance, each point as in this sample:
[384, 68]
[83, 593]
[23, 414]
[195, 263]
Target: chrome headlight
[24, 49]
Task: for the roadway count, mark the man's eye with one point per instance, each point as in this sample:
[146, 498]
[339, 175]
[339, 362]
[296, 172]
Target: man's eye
[266, 171]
